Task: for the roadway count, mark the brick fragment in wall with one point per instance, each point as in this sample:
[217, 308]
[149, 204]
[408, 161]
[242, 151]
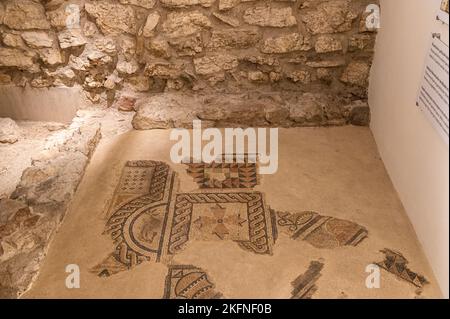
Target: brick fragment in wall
[13, 40]
[356, 73]
[163, 70]
[71, 38]
[138, 83]
[179, 24]
[331, 16]
[300, 76]
[228, 39]
[58, 17]
[50, 56]
[327, 43]
[261, 60]
[16, 58]
[286, 43]
[112, 18]
[37, 39]
[215, 63]
[361, 42]
[25, 15]
[158, 47]
[187, 46]
[332, 63]
[258, 76]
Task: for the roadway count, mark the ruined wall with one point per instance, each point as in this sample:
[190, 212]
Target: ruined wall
[113, 48]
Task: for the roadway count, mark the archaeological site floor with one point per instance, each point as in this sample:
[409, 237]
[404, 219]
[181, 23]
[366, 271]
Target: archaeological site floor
[140, 226]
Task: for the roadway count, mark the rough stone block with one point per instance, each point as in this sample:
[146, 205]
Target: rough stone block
[266, 16]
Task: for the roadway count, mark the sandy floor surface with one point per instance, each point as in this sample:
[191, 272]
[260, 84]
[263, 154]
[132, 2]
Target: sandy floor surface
[143, 227]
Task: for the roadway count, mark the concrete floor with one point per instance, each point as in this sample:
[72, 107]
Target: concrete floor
[334, 172]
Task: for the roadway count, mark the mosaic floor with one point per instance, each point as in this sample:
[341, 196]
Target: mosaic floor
[143, 227]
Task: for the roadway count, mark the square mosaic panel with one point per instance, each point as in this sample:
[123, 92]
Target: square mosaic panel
[241, 216]
[224, 175]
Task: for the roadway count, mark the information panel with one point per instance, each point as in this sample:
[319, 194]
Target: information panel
[433, 93]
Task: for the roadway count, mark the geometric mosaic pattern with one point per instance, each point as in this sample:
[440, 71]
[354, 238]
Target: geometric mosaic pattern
[188, 282]
[395, 263]
[138, 214]
[149, 221]
[248, 220]
[224, 175]
[320, 231]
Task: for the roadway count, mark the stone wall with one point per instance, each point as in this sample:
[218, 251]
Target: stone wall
[116, 48]
[32, 214]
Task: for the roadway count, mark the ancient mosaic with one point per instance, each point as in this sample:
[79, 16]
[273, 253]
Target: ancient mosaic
[224, 175]
[189, 282]
[320, 231]
[305, 284]
[241, 217]
[395, 263]
[149, 220]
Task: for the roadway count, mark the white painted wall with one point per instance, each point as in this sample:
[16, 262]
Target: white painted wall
[414, 154]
